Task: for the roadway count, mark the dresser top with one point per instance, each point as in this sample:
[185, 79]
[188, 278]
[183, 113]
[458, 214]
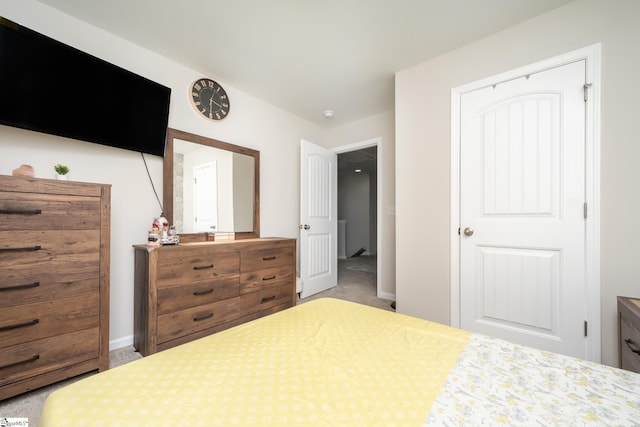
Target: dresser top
[632, 304]
[265, 240]
[23, 184]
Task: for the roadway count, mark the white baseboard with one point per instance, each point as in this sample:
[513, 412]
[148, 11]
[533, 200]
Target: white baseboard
[386, 295]
[121, 342]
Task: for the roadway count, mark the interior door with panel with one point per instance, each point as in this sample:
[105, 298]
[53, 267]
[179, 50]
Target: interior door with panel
[318, 219]
[522, 194]
[205, 198]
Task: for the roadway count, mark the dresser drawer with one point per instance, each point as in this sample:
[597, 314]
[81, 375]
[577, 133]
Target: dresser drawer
[38, 287]
[630, 342]
[195, 265]
[265, 299]
[30, 322]
[268, 277]
[185, 322]
[261, 259]
[32, 256]
[32, 211]
[629, 333]
[179, 297]
[40, 356]
[51, 242]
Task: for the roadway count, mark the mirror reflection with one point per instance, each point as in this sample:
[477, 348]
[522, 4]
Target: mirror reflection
[210, 186]
[212, 189]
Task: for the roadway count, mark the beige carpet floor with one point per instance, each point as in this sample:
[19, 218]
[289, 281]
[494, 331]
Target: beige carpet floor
[354, 284]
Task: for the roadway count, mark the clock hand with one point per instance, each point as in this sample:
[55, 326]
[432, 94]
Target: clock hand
[211, 100]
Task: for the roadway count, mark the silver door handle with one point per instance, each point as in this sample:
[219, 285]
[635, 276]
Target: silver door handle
[468, 231]
[306, 226]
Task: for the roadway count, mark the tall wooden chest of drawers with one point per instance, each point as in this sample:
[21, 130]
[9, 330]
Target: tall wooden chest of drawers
[54, 281]
[192, 290]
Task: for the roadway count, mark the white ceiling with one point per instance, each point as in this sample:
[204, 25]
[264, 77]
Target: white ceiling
[305, 56]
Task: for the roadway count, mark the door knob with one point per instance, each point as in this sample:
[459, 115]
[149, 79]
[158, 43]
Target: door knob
[468, 231]
[306, 226]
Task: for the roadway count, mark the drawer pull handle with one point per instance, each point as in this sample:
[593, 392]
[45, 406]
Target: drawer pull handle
[20, 325]
[628, 342]
[269, 277]
[267, 299]
[202, 267]
[269, 258]
[208, 291]
[23, 248]
[206, 316]
[31, 359]
[21, 211]
[26, 286]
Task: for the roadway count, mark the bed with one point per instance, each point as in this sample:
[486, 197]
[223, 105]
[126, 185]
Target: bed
[330, 362]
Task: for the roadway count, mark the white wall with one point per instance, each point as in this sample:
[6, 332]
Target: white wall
[354, 207]
[423, 144]
[251, 123]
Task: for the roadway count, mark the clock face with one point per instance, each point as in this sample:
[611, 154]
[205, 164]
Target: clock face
[209, 99]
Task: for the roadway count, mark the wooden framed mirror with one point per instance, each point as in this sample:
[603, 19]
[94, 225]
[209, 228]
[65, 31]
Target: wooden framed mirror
[210, 187]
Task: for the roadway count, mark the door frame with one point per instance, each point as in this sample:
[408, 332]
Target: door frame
[592, 56]
[377, 142]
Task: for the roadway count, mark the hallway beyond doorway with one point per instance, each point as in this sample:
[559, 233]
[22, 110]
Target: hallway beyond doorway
[357, 281]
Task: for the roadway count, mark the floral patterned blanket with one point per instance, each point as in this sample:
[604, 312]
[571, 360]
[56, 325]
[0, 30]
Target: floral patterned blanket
[499, 383]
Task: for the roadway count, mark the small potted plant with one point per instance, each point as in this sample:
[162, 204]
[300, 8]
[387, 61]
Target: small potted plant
[61, 171]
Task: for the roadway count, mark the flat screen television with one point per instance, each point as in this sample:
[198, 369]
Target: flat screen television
[50, 87]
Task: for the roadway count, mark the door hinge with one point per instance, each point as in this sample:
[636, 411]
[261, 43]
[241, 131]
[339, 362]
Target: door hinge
[586, 91]
[584, 210]
[585, 328]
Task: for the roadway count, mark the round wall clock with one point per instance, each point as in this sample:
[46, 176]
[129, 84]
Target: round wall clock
[209, 99]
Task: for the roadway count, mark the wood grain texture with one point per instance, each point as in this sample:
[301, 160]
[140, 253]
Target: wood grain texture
[628, 334]
[188, 291]
[54, 281]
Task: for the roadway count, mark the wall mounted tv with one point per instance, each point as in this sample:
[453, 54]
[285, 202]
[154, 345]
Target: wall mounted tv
[50, 87]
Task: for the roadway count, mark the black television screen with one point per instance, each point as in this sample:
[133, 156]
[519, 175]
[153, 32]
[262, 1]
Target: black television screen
[50, 87]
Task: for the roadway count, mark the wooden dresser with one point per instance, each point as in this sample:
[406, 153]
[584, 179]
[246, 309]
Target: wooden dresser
[192, 290]
[629, 333]
[54, 281]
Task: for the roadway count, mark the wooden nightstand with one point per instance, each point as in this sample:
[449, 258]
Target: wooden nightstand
[629, 333]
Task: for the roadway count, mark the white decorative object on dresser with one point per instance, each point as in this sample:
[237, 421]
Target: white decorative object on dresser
[187, 291]
[54, 281]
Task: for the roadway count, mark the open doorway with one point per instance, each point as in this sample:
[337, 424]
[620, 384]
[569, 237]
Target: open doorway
[362, 282]
[357, 219]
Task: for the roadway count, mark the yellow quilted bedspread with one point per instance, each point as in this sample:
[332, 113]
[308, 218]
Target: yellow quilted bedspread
[323, 363]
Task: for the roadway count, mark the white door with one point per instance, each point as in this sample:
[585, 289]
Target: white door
[318, 219]
[205, 198]
[522, 195]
